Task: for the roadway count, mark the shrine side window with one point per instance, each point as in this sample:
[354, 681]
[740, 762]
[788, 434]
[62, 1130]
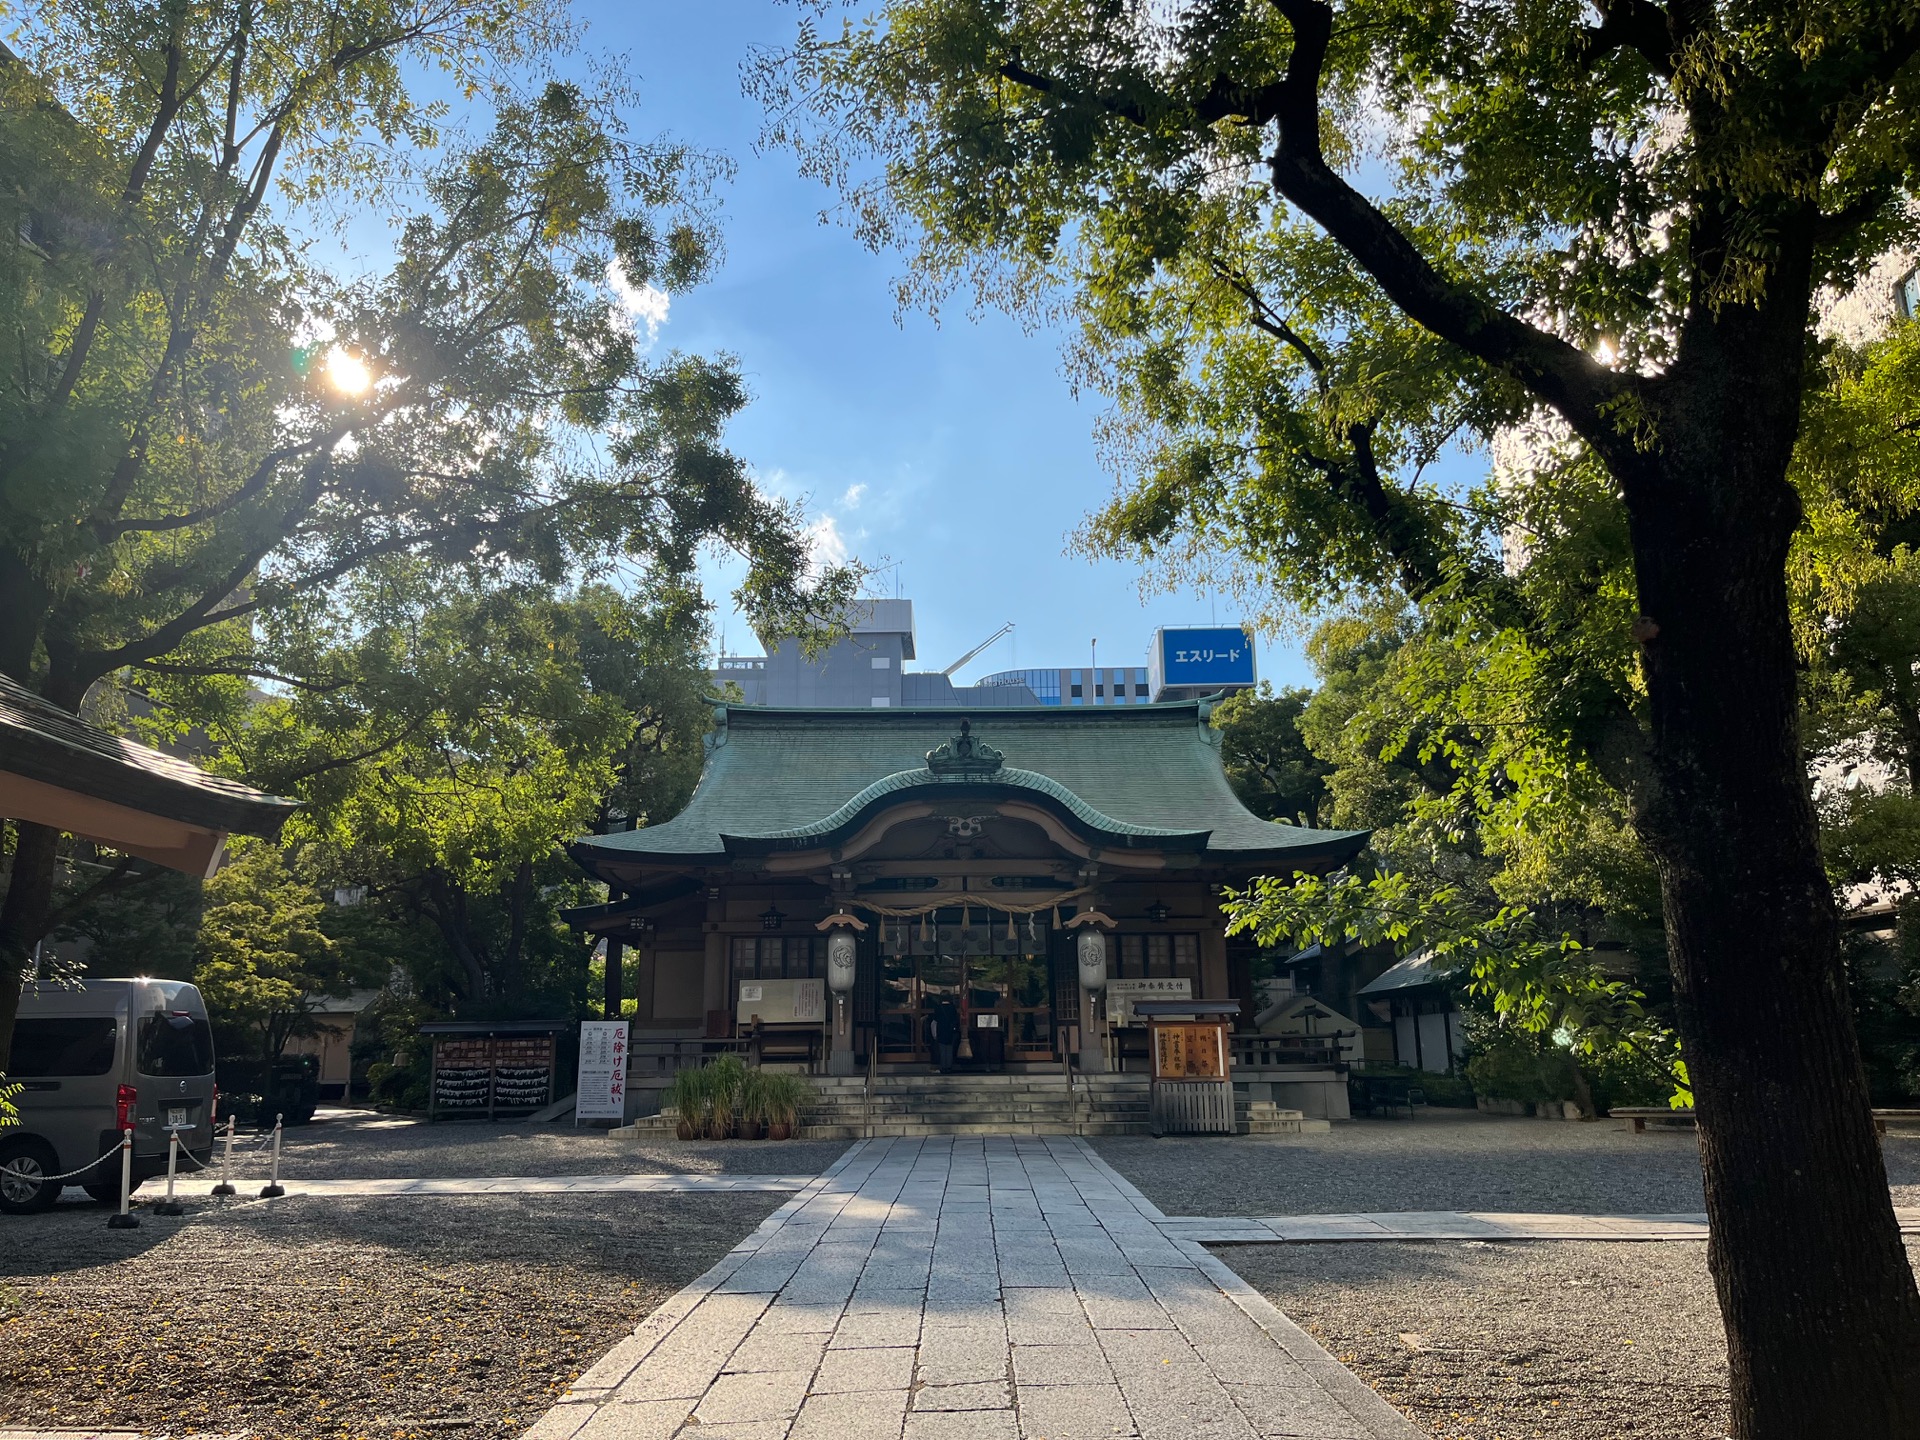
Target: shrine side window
[1144, 957]
[779, 957]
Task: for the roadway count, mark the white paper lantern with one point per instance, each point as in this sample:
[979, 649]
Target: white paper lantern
[1092, 950]
[841, 959]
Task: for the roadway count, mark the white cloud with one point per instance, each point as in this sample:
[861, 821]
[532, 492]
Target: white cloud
[829, 545]
[855, 494]
[645, 306]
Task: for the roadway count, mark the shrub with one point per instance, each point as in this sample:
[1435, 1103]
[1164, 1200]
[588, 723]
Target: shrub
[1510, 1065]
[1449, 1091]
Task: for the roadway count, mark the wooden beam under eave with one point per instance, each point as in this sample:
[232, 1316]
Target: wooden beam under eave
[175, 844]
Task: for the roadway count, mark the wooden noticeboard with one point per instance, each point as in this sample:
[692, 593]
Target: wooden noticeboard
[1192, 1089]
[1189, 1050]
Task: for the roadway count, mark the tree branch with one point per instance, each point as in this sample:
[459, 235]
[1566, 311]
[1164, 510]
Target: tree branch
[243, 666]
[1637, 25]
[1560, 373]
[253, 485]
[122, 877]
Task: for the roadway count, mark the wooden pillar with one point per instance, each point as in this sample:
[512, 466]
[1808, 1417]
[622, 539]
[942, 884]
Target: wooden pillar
[715, 991]
[616, 961]
[646, 978]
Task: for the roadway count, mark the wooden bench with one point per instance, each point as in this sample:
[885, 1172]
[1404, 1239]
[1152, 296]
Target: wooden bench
[1640, 1115]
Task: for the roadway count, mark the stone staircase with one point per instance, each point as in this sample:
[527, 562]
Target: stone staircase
[978, 1105]
[1031, 1104]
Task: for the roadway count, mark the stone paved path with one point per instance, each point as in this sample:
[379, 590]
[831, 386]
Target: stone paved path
[969, 1289]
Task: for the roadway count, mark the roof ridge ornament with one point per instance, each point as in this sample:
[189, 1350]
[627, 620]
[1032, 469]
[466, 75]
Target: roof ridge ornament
[964, 755]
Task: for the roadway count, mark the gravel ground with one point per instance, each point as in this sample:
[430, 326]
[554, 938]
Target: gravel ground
[362, 1318]
[1573, 1341]
[361, 1144]
[1444, 1160]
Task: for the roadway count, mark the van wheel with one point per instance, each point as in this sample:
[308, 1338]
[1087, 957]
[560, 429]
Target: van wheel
[24, 1188]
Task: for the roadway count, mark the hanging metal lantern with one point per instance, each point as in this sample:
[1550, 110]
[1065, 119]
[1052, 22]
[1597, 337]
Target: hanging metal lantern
[1092, 951]
[842, 961]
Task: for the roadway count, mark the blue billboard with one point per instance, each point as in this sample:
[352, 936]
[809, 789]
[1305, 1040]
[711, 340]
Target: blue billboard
[1214, 655]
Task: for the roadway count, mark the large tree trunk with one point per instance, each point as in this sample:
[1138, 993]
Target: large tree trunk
[1818, 1298]
[23, 918]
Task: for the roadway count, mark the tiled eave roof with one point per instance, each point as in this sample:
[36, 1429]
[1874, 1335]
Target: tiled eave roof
[41, 742]
[1143, 777]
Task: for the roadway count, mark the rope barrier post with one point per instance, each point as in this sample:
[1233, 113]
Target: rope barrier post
[225, 1187]
[125, 1219]
[273, 1189]
[171, 1206]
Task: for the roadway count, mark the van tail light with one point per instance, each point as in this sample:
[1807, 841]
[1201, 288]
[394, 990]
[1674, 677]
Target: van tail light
[123, 1102]
[213, 1115]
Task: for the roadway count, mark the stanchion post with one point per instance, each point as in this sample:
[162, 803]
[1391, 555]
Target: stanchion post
[171, 1206]
[125, 1219]
[273, 1189]
[225, 1187]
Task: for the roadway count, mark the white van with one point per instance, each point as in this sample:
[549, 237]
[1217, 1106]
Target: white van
[92, 1061]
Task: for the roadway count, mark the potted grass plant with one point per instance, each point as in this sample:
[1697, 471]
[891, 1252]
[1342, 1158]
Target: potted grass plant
[782, 1097]
[726, 1076]
[691, 1096]
[753, 1105]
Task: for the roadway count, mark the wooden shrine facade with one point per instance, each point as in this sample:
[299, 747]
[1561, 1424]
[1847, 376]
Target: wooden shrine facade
[855, 887]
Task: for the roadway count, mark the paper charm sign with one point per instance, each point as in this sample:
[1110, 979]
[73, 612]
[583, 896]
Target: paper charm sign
[602, 1090]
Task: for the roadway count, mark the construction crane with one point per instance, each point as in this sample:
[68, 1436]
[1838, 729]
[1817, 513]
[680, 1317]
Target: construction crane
[1006, 629]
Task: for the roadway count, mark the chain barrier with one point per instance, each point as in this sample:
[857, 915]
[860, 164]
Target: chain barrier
[16, 1174]
[124, 1219]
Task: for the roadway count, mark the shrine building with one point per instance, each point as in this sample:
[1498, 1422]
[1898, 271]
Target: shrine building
[844, 883]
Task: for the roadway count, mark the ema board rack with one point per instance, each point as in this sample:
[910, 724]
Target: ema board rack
[493, 1068]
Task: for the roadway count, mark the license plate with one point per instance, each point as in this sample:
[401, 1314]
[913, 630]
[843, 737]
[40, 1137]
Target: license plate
[176, 1117]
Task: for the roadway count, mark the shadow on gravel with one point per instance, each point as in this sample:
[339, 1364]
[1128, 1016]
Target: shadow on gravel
[309, 1318]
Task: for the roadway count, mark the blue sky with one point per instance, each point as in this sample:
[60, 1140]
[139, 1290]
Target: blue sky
[955, 449]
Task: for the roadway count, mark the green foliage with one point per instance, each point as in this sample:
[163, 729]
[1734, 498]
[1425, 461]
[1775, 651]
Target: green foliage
[193, 505]
[1520, 1066]
[264, 959]
[135, 918]
[488, 725]
[1856, 577]
[1449, 1091]
[1535, 982]
[1266, 757]
[1287, 357]
[1884, 980]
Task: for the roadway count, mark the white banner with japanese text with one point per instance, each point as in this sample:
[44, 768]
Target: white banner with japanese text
[602, 1090]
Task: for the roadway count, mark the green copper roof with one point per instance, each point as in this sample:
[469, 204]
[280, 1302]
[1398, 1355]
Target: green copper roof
[1145, 776]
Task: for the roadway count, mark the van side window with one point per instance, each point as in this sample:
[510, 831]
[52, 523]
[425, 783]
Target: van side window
[173, 1042]
[78, 1046]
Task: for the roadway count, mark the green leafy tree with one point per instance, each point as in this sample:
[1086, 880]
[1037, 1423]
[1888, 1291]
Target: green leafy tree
[204, 436]
[1310, 243]
[1266, 756]
[264, 957]
[488, 728]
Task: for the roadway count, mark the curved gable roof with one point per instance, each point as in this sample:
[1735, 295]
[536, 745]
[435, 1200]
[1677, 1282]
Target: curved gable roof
[1141, 775]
